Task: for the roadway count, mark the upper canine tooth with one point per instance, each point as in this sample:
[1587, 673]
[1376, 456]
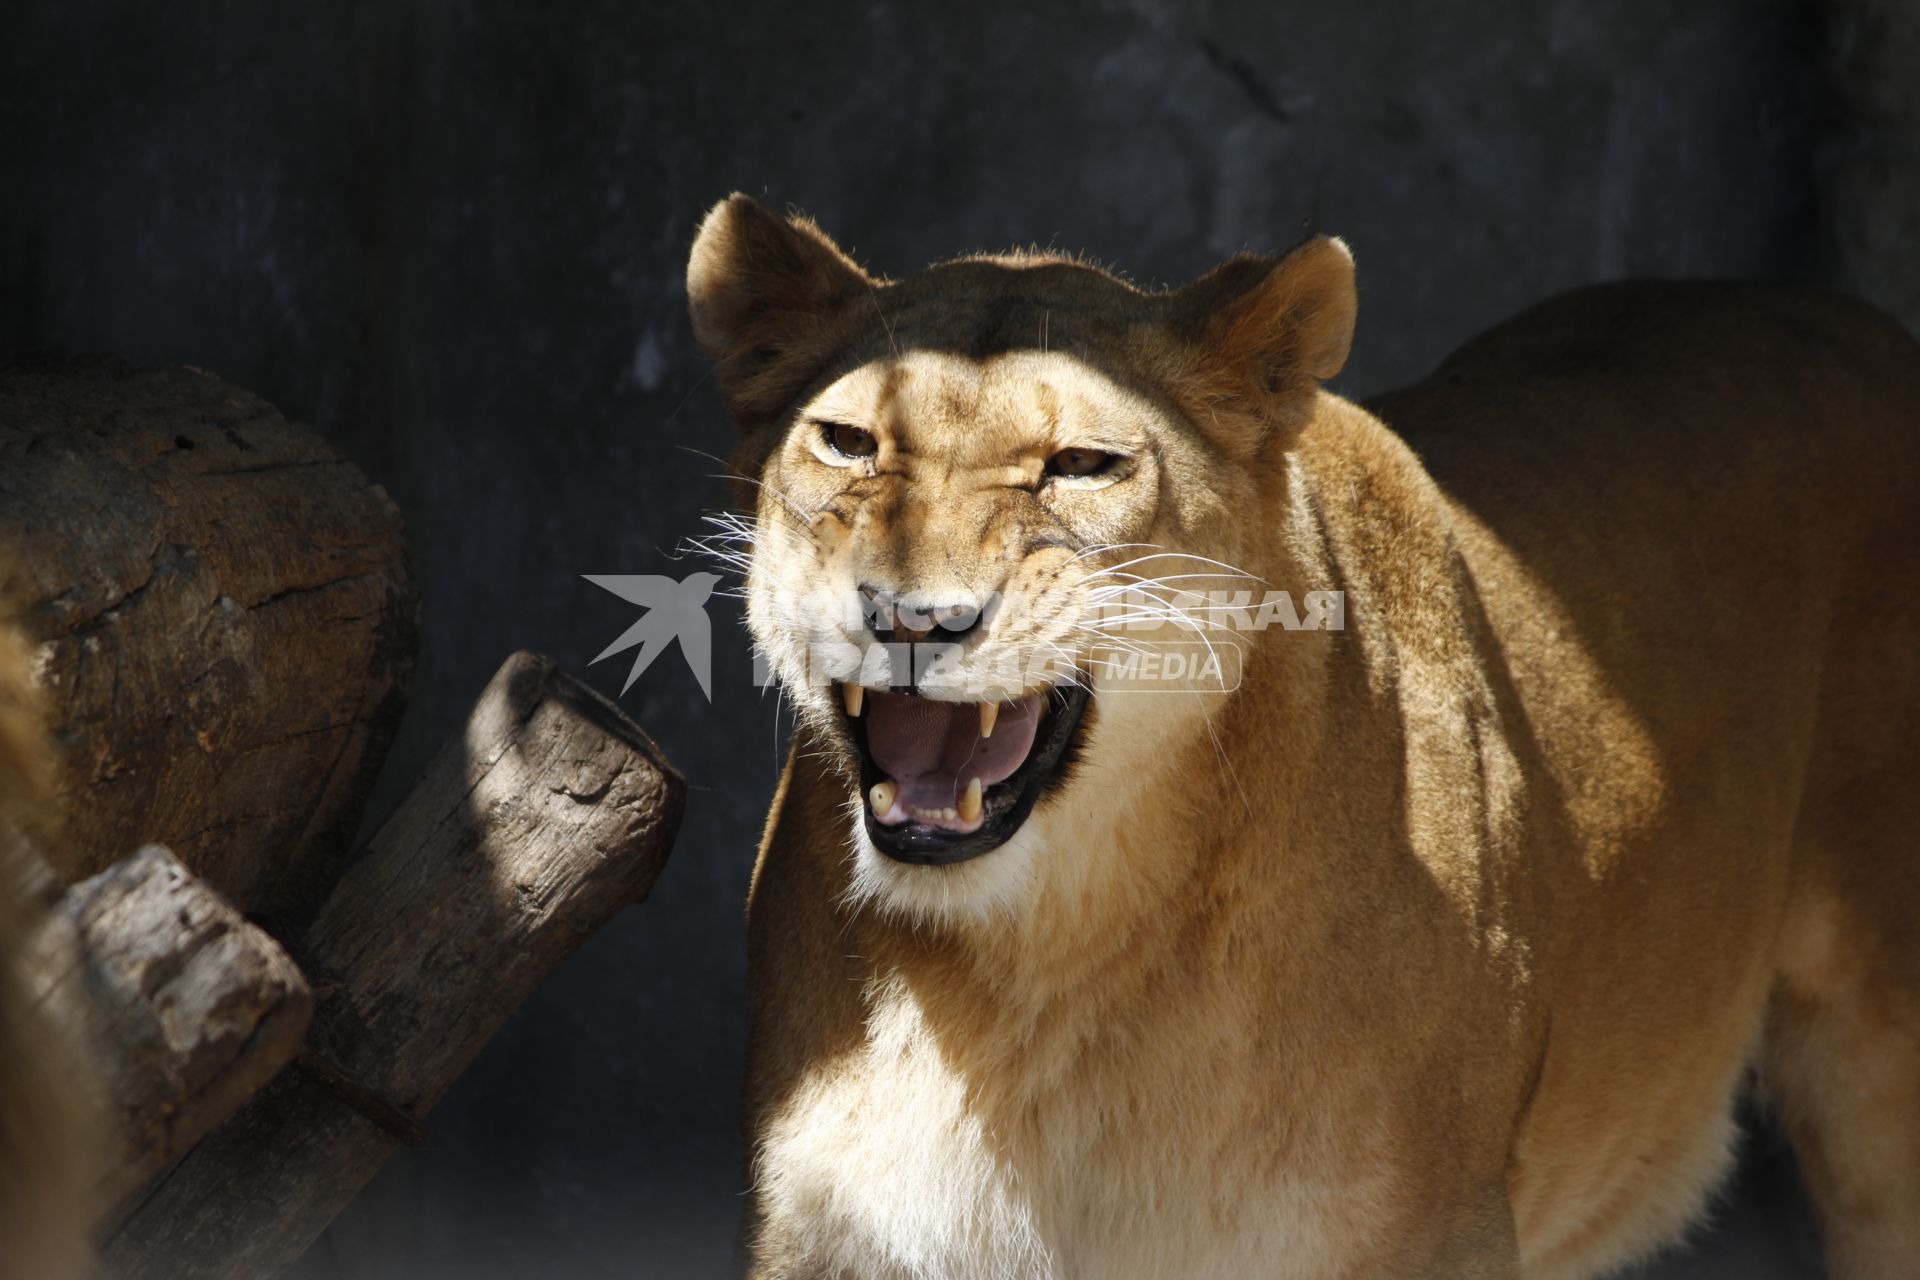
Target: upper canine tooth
[969, 806]
[855, 697]
[989, 712]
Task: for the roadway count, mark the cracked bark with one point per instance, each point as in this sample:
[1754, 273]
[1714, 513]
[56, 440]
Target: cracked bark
[142, 511]
[534, 826]
[184, 1008]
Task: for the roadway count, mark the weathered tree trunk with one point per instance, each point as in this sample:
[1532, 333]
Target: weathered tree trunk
[184, 1009]
[548, 813]
[225, 618]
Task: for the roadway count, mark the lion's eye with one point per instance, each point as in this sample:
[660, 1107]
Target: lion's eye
[849, 441]
[1080, 462]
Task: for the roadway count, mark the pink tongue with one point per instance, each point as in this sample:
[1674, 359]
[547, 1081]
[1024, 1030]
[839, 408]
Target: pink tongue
[933, 749]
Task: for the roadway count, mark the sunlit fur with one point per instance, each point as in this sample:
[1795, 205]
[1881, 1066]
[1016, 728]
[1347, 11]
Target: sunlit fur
[1047, 554]
[1443, 945]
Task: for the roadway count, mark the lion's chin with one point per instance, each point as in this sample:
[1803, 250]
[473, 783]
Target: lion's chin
[945, 782]
[980, 893]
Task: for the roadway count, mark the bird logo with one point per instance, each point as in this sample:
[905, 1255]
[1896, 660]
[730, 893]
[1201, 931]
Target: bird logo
[675, 610]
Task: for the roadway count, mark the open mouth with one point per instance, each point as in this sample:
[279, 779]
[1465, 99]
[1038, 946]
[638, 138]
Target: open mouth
[942, 782]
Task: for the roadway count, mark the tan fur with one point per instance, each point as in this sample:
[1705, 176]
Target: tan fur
[1443, 945]
[46, 1128]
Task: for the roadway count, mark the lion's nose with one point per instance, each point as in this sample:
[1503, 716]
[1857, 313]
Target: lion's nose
[901, 617]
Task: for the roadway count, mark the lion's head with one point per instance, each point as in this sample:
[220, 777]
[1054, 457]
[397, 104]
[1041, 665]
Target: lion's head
[974, 486]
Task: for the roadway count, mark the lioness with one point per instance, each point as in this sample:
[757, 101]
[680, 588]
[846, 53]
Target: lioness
[46, 1126]
[1438, 944]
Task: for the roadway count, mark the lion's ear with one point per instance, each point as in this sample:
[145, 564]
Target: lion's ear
[755, 277]
[1268, 327]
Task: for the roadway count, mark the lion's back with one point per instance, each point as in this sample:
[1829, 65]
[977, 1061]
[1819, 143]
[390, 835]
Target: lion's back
[1690, 516]
[1614, 389]
[1680, 466]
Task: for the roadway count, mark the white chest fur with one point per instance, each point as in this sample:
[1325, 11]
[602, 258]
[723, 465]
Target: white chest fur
[879, 1170]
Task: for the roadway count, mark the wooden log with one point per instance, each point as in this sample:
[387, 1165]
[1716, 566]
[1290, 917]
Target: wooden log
[184, 1010]
[224, 616]
[546, 815]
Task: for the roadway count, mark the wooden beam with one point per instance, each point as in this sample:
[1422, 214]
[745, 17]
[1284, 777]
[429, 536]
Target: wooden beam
[545, 816]
[182, 1008]
[224, 619]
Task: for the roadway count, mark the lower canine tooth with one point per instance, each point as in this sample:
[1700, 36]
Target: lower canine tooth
[855, 697]
[989, 712]
[970, 802]
[882, 796]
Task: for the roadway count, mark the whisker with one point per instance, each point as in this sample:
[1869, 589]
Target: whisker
[734, 473]
[1235, 570]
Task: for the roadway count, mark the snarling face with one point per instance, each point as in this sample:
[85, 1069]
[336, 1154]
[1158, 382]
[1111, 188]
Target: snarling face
[975, 487]
[936, 532]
